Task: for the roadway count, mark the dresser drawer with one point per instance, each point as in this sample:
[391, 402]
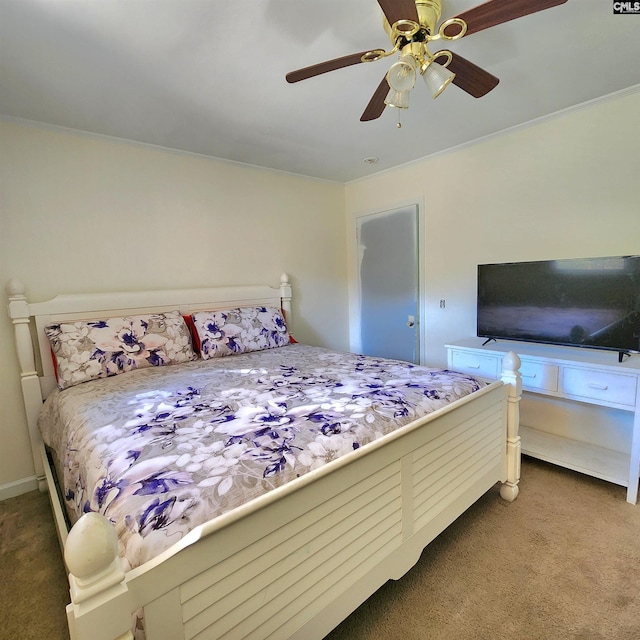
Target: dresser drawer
[483, 366]
[539, 376]
[599, 386]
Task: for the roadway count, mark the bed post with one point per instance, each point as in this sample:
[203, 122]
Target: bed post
[511, 377]
[31, 391]
[99, 594]
[285, 297]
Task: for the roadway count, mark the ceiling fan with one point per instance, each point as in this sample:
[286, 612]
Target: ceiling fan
[411, 26]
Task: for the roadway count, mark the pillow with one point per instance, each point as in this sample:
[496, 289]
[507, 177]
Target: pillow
[223, 333]
[87, 350]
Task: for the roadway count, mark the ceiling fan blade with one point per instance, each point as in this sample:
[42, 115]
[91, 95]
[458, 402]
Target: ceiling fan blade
[395, 10]
[324, 67]
[496, 12]
[376, 105]
[471, 78]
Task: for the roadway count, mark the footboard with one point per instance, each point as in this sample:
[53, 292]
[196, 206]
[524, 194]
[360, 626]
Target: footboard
[296, 562]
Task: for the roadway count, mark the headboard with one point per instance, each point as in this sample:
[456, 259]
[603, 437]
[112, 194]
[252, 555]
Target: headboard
[37, 374]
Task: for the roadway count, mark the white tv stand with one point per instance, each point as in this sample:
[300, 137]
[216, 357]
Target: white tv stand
[580, 409]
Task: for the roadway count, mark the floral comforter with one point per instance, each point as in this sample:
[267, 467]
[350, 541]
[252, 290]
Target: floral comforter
[160, 450]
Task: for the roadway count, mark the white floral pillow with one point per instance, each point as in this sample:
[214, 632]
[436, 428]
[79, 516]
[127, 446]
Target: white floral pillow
[223, 333]
[93, 349]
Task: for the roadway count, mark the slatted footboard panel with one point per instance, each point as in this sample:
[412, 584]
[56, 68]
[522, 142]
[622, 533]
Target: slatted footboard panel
[236, 598]
[298, 566]
[452, 462]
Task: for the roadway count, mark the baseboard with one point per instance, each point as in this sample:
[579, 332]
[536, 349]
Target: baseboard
[18, 487]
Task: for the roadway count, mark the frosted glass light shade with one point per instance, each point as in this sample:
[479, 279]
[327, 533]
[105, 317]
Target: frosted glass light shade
[437, 78]
[402, 75]
[397, 99]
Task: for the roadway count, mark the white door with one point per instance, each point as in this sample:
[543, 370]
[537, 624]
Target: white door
[389, 284]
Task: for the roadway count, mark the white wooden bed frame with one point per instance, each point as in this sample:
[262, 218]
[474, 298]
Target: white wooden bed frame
[297, 561]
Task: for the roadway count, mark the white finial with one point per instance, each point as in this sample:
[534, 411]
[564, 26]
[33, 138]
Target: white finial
[91, 547]
[14, 288]
[511, 361]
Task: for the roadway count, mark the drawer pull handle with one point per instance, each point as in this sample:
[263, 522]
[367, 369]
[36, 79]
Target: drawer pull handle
[474, 366]
[530, 375]
[599, 387]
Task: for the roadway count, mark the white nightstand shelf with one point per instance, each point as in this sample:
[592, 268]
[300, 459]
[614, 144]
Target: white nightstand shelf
[560, 383]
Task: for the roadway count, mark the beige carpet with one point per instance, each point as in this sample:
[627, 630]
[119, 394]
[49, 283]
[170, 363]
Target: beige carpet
[561, 562]
[34, 586]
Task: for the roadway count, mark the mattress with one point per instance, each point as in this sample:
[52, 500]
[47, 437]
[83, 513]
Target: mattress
[159, 451]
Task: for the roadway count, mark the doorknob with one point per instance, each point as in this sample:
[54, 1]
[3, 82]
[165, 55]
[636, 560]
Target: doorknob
[411, 321]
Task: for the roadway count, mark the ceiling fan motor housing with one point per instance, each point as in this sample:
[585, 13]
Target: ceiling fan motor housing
[429, 12]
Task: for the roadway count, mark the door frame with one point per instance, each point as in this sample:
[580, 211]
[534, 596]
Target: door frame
[355, 343]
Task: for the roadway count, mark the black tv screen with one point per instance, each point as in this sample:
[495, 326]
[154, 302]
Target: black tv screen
[586, 302]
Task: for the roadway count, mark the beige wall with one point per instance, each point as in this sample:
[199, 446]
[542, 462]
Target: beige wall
[564, 187]
[102, 215]
[81, 213]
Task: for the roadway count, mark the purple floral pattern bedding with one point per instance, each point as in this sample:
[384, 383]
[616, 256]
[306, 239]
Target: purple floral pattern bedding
[232, 331]
[160, 450]
[101, 348]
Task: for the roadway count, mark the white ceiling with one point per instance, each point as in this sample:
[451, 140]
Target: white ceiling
[208, 76]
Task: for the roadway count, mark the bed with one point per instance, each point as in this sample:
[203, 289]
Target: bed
[336, 516]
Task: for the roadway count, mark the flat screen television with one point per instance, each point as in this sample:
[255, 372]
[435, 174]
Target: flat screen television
[585, 302]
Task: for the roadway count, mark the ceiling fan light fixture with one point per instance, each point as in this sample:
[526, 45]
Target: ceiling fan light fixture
[412, 25]
[397, 99]
[437, 78]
